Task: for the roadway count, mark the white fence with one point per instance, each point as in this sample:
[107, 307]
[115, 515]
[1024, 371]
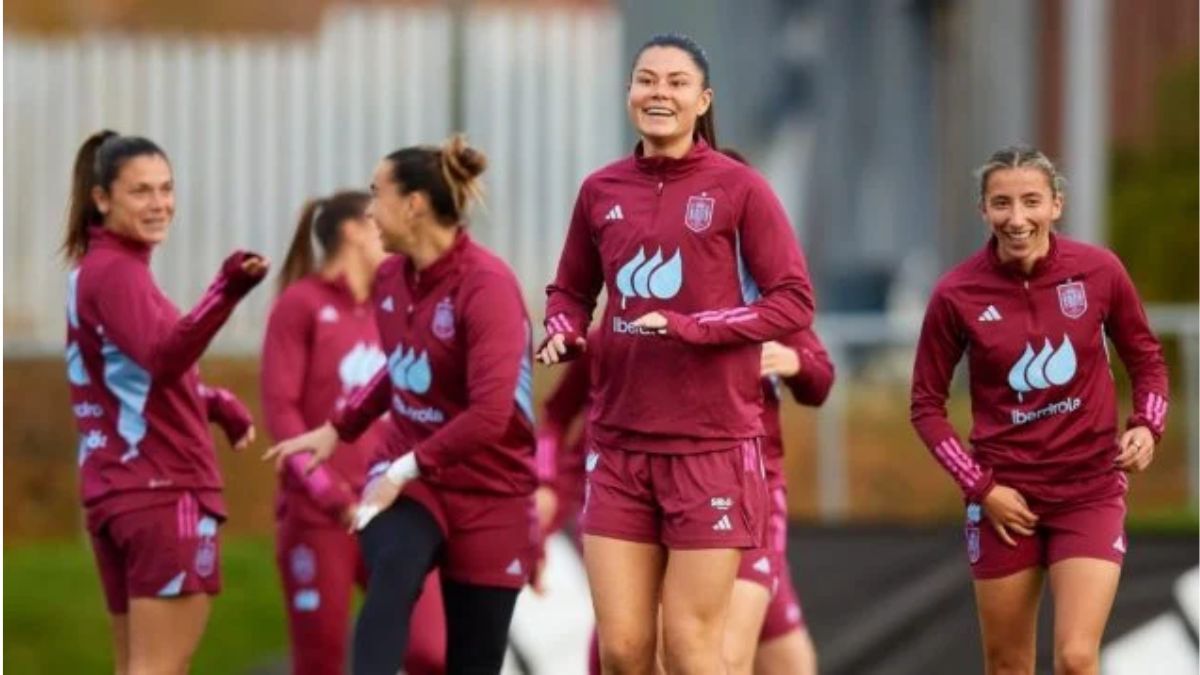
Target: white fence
[254, 126]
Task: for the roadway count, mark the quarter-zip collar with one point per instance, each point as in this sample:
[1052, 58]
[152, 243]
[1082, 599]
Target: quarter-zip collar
[1013, 269]
[449, 263]
[670, 168]
[100, 238]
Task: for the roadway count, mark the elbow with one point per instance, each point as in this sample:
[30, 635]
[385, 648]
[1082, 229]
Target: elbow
[821, 394]
[488, 426]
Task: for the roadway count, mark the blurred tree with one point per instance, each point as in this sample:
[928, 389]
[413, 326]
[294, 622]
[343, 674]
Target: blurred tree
[1154, 204]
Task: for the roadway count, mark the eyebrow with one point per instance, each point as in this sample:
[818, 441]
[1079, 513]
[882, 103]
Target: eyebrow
[673, 73]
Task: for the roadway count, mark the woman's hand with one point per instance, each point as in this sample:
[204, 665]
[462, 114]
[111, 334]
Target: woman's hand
[1006, 510]
[321, 441]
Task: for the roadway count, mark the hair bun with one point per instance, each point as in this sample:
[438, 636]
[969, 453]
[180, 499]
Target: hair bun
[462, 161]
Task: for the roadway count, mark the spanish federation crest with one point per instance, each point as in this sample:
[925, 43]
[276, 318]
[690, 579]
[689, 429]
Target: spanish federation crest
[974, 516]
[206, 556]
[443, 319]
[1072, 299]
[303, 564]
[699, 212]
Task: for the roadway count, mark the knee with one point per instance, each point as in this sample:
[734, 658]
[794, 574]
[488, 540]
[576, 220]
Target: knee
[627, 653]
[693, 645]
[1008, 661]
[739, 656]
[1076, 657]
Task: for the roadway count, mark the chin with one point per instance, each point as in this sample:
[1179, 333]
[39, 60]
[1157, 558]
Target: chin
[659, 136]
[153, 238]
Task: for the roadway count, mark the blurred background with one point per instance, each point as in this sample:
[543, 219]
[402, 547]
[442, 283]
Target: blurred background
[868, 117]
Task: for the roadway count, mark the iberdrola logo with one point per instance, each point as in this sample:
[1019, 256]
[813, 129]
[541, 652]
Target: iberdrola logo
[1042, 369]
[650, 278]
[410, 372]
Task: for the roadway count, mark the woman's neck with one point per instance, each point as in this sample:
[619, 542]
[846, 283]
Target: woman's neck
[357, 272]
[436, 240]
[672, 148]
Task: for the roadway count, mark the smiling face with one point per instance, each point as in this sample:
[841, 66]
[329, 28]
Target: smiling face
[666, 95]
[391, 210]
[140, 203]
[1020, 206]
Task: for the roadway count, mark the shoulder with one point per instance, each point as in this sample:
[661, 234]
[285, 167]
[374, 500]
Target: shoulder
[299, 296]
[613, 171]
[962, 276]
[1082, 257]
[103, 272]
[484, 269]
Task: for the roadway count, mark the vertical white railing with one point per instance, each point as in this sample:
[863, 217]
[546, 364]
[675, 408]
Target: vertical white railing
[255, 125]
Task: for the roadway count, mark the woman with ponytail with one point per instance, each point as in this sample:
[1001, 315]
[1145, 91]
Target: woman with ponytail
[320, 348]
[453, 486]
[149, 479]
[701, 267]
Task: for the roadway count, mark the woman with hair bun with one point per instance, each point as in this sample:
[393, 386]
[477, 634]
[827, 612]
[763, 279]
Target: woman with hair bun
[320, 347]
[453, 486]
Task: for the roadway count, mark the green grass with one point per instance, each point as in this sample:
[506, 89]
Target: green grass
[55, 621]
[1165, 521]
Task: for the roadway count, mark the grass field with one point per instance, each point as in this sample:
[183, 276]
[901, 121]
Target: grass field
[55, 621]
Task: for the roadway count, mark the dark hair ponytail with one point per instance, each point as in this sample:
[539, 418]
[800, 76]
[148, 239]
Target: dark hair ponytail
[706, 124]
[320, 219]
[97, 164]
[448, 175]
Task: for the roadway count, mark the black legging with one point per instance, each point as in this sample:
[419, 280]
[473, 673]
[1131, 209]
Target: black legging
[400, 547]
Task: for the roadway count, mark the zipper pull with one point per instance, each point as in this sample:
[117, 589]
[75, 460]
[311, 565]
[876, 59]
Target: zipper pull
[658, 190]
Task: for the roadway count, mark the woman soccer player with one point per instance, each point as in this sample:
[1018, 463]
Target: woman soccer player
[149, 478]
[454, 488]
[1047, 467]
[684, 238]
[321, 347]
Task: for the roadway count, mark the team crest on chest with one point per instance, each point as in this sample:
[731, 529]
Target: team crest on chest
[1072, 299]
[443, 319]
[699, 212]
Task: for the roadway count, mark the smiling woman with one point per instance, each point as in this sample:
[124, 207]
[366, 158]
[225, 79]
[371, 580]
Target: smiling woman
[150, 483]
[707, 267]
[1047, 468]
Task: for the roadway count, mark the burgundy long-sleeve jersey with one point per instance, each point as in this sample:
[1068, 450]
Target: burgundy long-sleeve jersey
[459, 378]
[1043, 402]
[135, 389]
[703, 240]
[320, 347]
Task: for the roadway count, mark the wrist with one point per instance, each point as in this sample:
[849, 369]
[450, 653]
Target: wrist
[403, 470]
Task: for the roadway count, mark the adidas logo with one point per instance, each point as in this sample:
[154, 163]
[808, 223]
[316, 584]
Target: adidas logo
[763, 566]
[990, 314]
[514, 568]
[723, 525]
[614, 214]
[1119, 544]
[328, 314]
[388, 305]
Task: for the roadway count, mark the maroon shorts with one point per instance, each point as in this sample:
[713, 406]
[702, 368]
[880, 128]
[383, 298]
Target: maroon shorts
[705, 500]
[1092, 529]
[784, 614]
[161, 551]
[491, 540]
[764, 565]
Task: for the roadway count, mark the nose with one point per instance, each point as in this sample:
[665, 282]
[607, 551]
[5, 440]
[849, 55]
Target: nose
[1019, 215]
